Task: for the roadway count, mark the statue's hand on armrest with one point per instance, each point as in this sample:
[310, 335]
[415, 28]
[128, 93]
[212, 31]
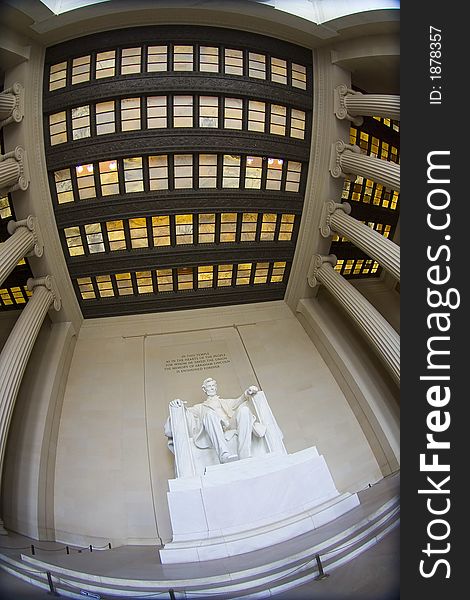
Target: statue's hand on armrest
[176, 403]
[259, 429]
[252, 390]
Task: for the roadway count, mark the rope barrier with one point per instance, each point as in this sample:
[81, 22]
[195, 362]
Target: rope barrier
[171, 591]
[298, 568]
[26, 570]
[339, 548]
[108, 545]
[80, 549]
[155, 594]
[50, 549]
[35, 547]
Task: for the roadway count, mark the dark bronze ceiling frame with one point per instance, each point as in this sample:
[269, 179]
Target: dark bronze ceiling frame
[168, 203]
[169, 141]
[146, 142]
[180, 34]
[183, 300]
[143, 259]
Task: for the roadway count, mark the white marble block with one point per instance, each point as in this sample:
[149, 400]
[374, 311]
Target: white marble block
[250, 504]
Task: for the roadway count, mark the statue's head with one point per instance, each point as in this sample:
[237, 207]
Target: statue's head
[209, 385]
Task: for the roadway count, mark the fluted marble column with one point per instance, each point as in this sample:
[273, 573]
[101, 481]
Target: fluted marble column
[336, 218]
[353, 105]
[14, 172]
[25, 238]
[17, 349]
[11, 105]
[348, 160]
[384, 339]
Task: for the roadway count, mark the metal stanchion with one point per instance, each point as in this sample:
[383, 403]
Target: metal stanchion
[51, 584]
[32, 550]
[321, 573]
[172, 594]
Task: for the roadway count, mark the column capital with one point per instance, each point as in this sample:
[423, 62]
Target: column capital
[341, 111]
[31, 223]
[337, 148]
[17, 114]
[49, 283]
[328, 209]
[18, 154]
[315, 264]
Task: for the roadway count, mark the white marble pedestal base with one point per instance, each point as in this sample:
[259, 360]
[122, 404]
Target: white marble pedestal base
[250, 504]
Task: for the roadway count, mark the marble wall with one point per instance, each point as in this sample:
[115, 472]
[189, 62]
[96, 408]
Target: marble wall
[112, 462]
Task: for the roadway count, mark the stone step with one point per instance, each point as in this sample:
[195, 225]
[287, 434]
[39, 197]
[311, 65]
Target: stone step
[295, 568]
[296, 549]
[310, 571]
[35, 577]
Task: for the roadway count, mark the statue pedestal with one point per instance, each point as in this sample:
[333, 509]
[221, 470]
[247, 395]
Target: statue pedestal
[251, 504]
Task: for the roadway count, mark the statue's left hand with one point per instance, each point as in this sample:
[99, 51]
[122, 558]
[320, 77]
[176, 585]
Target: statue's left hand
[252, 390]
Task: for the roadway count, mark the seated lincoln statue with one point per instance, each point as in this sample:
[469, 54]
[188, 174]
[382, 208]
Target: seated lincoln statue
[219, 508]
[214, 423]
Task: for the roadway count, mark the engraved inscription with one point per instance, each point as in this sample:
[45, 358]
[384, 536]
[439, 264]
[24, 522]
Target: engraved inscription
[198, 361]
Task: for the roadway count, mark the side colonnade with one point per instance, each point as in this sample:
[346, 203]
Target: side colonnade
[25, 240]
[348, 161]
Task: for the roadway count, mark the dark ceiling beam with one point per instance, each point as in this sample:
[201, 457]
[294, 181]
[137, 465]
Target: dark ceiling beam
[146, 303]
[148, 84]
[178, 256]
[178, 34]
[176, 202]
[154, 142]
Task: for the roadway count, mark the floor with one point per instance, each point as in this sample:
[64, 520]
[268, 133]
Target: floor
[365, 578]
[373, 575]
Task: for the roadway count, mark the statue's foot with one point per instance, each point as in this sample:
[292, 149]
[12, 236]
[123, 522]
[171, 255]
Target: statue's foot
[226, 457]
